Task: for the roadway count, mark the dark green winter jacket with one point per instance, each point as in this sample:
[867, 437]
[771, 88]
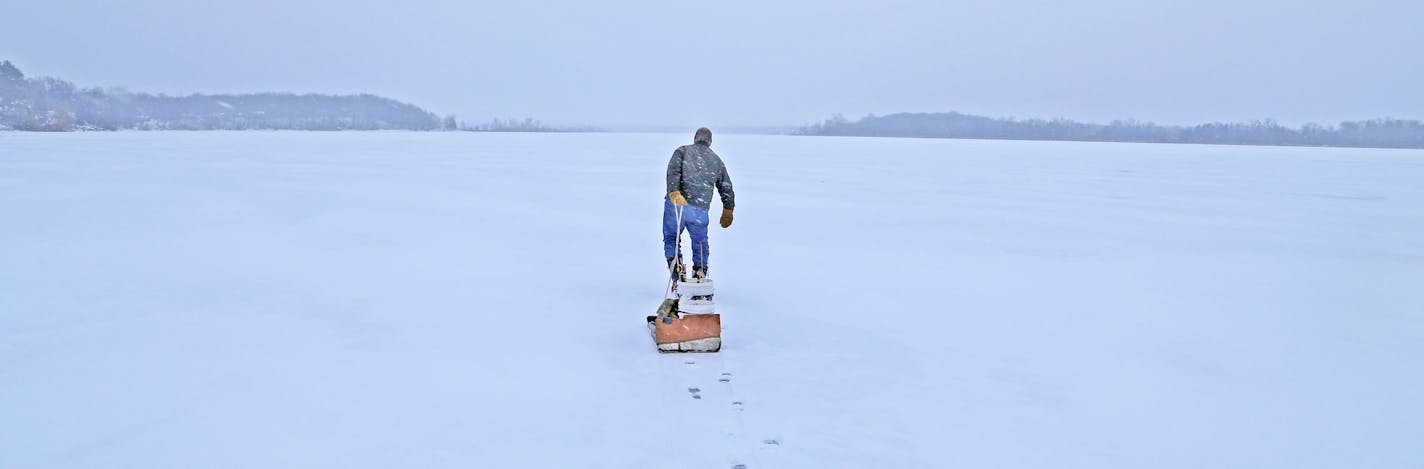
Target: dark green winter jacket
[694, 170]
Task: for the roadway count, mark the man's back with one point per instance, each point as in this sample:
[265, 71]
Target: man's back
[695, 171]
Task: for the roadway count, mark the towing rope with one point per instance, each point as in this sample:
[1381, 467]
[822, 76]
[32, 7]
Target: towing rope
[676, 256]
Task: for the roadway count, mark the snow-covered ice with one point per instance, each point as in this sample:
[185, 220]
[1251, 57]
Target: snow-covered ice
[286, 299]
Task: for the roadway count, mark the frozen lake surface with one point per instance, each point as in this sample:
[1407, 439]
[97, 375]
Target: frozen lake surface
[286, 299]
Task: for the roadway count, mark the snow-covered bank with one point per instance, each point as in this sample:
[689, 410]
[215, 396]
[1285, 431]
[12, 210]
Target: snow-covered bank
[458, 299]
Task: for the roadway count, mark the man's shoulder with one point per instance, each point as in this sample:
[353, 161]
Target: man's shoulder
[699, 151]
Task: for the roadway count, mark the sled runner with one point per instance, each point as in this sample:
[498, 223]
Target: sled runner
[675, 331]
[685, 324]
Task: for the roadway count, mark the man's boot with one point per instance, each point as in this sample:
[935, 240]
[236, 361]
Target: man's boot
[699, 273]
[677, 270]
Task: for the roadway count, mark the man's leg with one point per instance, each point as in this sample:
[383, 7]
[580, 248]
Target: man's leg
[696, 220]
[670, 233]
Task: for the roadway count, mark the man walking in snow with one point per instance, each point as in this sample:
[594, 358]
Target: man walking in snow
[692, 174]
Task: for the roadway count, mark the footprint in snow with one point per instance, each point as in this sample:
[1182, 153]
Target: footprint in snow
[739, 466]
[772, 441]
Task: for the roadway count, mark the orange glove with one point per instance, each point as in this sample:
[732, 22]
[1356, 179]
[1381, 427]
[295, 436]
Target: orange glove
[726, 218]
[676, 198]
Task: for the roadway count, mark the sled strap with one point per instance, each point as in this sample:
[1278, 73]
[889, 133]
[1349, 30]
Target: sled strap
[676, 254]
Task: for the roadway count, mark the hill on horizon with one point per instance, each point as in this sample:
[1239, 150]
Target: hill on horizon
[1375, 133]
[50, 104]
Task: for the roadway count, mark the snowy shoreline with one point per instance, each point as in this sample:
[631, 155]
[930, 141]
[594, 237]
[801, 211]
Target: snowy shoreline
[768, 134]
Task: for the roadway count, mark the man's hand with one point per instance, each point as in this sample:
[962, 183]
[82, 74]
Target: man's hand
[726, 218]
[676, 198]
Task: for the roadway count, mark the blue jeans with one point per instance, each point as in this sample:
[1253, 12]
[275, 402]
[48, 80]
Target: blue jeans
[694, 220]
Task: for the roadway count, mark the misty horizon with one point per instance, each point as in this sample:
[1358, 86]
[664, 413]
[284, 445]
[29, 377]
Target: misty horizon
[748, 64]
[661, 127]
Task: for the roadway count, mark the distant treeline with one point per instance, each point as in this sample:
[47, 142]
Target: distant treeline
[1377, 133]
[518, 125]
[48, 104]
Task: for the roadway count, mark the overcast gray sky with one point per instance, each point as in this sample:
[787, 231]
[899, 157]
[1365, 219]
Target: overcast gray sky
[754, 62]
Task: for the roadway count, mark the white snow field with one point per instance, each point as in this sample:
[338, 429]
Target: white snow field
[390, 299]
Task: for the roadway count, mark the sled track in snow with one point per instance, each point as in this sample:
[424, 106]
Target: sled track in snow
[700, 393]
